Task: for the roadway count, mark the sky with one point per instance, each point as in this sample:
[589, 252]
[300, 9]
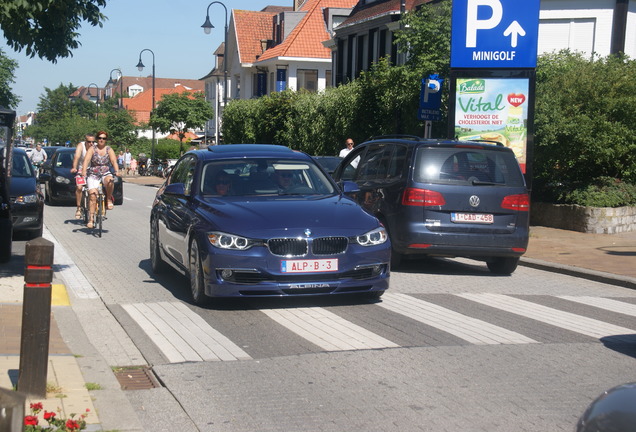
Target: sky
[170, 28]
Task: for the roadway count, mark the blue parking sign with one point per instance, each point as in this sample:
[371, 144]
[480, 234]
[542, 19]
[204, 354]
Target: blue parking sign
[494, 34]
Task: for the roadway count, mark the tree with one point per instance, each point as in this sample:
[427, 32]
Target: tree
[47, 28]
[179, 112]
[7, 77]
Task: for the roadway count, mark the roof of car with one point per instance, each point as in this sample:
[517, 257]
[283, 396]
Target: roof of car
[246, 150]
[418, 141]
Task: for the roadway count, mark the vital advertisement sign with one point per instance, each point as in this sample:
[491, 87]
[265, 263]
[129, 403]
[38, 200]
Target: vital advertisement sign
[494, 109]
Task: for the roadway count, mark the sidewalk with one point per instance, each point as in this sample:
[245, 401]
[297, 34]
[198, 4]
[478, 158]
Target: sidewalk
[603, 257]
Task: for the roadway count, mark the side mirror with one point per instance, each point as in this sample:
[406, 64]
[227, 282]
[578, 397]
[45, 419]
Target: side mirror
[349, 187]
[175, 189]
[44, 177]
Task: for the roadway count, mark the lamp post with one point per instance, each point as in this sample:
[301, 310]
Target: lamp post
[140, 66]
[207, 28]
[121, 85]
[96, 100]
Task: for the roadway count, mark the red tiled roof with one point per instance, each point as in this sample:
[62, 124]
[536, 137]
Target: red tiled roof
[250, 28]
[307, 37]
[141, 105]
[188, 136]
[367, 12]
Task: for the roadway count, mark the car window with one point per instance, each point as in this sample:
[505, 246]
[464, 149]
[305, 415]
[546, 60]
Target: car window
[64, 160]
[460, 165]
[264, 176]
[21, 166]
[397, 163]
[375, 165]
[183, 172]
[348, 171]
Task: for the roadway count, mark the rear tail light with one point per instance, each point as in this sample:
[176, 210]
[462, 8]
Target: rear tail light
[520, 202]
[422, 197]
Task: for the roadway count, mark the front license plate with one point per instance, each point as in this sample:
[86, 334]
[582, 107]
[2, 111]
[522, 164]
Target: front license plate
[483, 218]
[309, 266]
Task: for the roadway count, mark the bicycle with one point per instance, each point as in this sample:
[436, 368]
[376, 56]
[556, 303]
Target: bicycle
[100, 208]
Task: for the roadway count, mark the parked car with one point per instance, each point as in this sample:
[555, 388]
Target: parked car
[6, 224]
[443, 198]
[264, 221]
[329, 163]
[27, 201]
[59, 182]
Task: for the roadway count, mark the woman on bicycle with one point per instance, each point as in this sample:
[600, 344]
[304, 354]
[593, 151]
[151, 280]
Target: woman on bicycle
[99, 158]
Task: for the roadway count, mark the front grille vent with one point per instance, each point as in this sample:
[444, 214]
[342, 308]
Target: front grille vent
[288, 247]
[329, 245]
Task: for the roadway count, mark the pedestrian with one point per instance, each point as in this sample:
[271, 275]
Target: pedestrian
[127, 160]
[133, 166]
[120, 158]
[348, 147]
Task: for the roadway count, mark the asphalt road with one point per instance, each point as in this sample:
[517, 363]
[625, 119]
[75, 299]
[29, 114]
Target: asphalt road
[450, 348]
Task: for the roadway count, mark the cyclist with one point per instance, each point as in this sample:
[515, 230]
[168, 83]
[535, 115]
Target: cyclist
[98, 158]
[78, 161]
[38, 157]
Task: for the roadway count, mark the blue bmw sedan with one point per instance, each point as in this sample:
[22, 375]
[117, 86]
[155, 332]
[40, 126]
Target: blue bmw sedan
[256, 220]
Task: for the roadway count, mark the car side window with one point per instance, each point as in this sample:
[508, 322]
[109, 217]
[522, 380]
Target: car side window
[349, 170]
[376, 163]
[396, 163]
[183, 172]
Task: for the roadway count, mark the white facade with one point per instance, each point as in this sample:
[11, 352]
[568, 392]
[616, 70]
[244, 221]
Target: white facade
[583, 25]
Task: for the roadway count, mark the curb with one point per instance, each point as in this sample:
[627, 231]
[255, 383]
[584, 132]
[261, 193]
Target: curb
[593, 275]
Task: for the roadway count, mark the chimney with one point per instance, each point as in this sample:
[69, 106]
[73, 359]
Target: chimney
[298, 4]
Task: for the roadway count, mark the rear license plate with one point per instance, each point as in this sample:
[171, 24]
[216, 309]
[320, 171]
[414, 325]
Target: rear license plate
[309, 266]
[482, 218]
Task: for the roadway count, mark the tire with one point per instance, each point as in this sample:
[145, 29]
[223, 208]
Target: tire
[374, 296]
[99, 215]
[197, 283]
[158, 264]
[503, 265]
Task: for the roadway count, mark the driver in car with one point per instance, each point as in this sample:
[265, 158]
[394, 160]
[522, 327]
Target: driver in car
[284, 179]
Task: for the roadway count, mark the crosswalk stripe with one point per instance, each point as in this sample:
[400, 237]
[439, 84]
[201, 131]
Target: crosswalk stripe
[464, 327]
[555, 317]
[605, 303]
[181, 334]
[327, 330]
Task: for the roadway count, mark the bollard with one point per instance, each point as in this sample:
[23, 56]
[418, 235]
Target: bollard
[11, 411]
[36, 317]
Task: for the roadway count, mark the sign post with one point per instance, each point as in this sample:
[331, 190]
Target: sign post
[492, 77]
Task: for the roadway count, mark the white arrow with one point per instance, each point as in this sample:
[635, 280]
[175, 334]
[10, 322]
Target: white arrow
[515, 30]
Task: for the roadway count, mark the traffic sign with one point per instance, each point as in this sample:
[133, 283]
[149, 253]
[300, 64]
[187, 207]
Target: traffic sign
[430, 99]
[494, 33]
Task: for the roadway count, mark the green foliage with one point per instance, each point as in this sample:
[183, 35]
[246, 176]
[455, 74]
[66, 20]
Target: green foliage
[600, 192]
[167, 149]
[7, 77]
[47, 28]
[178, 112]
[584, 123]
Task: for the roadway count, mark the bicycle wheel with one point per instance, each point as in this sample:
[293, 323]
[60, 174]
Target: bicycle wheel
[84, 205]
[99, 214]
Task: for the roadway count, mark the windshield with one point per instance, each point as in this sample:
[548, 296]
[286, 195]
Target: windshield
[250, 177]
[64, 160]
[453, 165]
[21, 166]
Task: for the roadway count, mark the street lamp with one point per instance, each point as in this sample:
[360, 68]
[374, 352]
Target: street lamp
[140, 66]
[96, 100]
[207, 28]
[121, 85]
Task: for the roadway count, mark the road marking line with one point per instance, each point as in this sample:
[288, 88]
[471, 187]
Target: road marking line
[59, 296]
[128, 199]
[555, 317]
[604, 303]
[327, 330]
[464, 327]
[181, 334]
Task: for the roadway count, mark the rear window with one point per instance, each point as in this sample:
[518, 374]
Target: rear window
[454, 165]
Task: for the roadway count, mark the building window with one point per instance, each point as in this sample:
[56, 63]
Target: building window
[328, 82]
[307, 79]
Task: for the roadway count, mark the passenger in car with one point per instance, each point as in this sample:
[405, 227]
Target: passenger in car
[222, 184]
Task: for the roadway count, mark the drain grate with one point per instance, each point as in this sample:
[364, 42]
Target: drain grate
[135, 378]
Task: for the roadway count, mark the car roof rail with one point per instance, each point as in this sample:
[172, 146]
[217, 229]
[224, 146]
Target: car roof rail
[499, 143]
[396, 136]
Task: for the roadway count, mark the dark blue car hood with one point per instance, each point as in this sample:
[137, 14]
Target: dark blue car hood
[22, 186]
[287, 216]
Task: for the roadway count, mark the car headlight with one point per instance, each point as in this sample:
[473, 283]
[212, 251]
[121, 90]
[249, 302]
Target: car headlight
[372, 238]
[229, 241]
[27, 199]
[62, 179]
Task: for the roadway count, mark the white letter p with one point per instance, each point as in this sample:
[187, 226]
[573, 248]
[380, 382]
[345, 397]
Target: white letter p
[473, 23]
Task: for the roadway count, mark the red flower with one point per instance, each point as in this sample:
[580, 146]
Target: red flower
[36, 406]
[30, 420]
[48, 415]
[72, 425]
